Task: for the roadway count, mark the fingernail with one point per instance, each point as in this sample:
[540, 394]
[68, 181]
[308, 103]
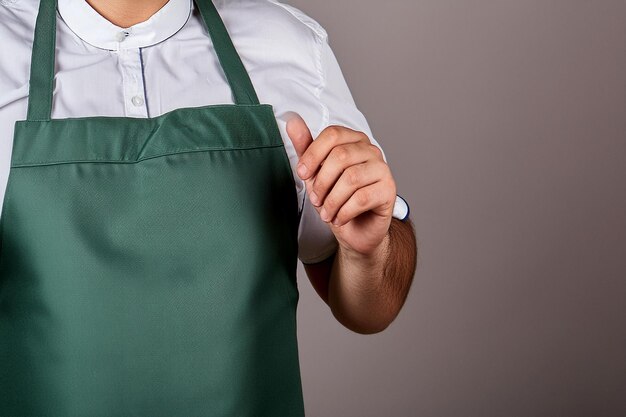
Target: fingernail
[324, 214]
[301, 169]
[336, 221]
[314, 199]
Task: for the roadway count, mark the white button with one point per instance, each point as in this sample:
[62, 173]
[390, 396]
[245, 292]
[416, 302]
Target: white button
[120, 36]
[137, 100]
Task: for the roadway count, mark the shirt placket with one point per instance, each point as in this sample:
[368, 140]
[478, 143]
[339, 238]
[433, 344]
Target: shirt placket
[135, 103]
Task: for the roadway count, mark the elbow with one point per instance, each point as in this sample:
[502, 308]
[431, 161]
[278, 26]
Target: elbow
[366, 324]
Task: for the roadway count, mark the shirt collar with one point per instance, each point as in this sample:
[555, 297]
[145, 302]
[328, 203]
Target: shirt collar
[94, 29]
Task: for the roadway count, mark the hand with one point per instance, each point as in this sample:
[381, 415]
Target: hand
[348, 182]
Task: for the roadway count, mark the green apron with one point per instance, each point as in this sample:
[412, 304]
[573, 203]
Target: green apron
[148, 265]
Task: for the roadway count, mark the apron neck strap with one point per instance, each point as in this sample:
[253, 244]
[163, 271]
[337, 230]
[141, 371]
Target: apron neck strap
[236, 73]
[43, 59]
[42, 63]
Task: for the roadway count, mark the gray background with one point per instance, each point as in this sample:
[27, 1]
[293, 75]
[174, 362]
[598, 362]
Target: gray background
[504, 123]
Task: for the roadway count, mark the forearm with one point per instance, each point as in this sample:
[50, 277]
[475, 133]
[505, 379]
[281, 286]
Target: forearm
[366, 292]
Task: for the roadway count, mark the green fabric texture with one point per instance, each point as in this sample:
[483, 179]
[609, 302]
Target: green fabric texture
[148, 266]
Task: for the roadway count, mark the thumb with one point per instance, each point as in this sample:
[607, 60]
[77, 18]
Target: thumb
[298, 132]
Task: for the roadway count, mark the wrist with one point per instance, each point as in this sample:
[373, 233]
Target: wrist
[369, 258]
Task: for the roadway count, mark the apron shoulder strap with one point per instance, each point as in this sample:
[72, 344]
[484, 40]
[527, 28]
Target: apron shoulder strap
[42, 63]
[43, 59]
[235, 71]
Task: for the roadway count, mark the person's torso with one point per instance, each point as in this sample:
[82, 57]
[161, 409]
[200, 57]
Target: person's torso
[148, 265]
[277, 44]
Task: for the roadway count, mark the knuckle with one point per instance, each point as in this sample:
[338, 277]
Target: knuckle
[376, 150]
[341, 154]
[329, 203]
[333, 132]
[364, 138]
[318, 186]
[363, 145]
[362, 197]
[353, 175]
[389, 200]
[385, 170]
[389, 193]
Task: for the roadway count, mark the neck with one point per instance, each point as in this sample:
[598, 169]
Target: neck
[126, 13]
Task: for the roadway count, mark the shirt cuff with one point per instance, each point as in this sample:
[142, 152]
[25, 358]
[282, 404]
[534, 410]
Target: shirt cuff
[401, 209]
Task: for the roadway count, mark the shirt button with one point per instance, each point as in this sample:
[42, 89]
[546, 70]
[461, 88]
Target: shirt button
[137, 101]
[120, 36]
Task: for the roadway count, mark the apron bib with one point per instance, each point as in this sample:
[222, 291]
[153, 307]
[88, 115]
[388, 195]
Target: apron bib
[148, 265]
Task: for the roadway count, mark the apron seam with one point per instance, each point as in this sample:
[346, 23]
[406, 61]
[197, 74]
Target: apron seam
[121, 161]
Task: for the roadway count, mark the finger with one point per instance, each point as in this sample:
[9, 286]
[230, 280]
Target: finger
[308, 183]
[339, 159]
[298, 132]
[330, 137]
[301, 137]
[353, 178]
[376, 197]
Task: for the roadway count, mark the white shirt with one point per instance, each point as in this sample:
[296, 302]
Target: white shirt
[167, 62]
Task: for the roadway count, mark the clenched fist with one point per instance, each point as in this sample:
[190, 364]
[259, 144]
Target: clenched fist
[348, 182]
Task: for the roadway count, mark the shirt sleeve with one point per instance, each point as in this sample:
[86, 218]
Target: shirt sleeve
[316, 240]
